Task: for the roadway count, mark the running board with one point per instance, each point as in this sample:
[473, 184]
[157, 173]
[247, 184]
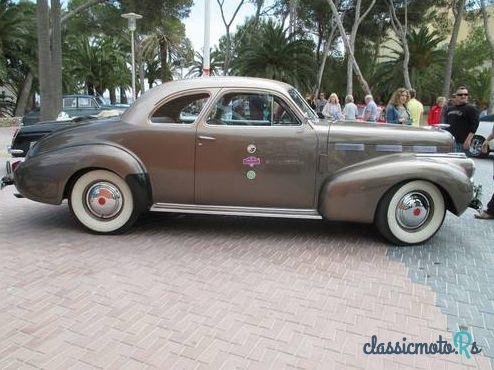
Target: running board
[237, 211]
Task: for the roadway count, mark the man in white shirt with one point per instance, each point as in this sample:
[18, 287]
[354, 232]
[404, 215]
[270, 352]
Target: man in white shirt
[370, 111]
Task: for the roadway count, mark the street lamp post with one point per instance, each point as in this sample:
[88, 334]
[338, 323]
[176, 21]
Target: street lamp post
[132, 17]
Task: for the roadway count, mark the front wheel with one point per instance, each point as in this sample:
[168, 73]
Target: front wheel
[410, 213]
[103, 202]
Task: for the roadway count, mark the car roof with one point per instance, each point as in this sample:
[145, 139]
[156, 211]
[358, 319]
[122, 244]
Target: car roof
[151, 97]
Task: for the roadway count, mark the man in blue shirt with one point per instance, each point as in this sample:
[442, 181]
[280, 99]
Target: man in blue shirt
[370, 111]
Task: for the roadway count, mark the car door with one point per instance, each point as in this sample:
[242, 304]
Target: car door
[252, 149]
[166, 145]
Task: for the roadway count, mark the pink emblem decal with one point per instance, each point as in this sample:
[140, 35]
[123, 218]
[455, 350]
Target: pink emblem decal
[251, 161]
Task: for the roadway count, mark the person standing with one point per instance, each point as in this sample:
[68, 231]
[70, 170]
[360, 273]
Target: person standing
[370, 111]
[488, 213]
[396, 111]
[332, 109]
[320, 103]
[463, 120]
[350, 110]
[434, 116]
[415, 108]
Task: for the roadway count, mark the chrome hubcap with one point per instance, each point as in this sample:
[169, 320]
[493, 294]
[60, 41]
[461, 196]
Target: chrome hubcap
[412, 210]
[104, 200]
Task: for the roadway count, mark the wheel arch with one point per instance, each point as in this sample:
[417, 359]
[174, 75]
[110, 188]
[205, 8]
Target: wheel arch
[49, 177]
[354, 193]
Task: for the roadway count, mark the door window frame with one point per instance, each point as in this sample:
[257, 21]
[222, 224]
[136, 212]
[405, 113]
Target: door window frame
[285, 98]
[212, 95]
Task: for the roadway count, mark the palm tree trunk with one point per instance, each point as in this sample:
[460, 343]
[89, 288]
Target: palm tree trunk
[458, 11]
[113, 95]
[163, 59]
[142, 76]
[56, 56]
[23, 96]
[123, 96]
[44, 60]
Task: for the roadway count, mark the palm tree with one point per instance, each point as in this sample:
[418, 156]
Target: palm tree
[168, 41]
[426, 65]
[94, 64]
[275, 54]
[215, 64]
[17, 52]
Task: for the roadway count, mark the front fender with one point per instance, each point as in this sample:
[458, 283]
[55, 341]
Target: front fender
[353, 193]
[44, 177]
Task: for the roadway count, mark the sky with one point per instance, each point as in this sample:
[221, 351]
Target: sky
[194, 25]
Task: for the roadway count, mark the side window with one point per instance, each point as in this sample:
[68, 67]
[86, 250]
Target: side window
[69, 103]
[86, 103]
[184, 109]
[244, 109]
[282, 115]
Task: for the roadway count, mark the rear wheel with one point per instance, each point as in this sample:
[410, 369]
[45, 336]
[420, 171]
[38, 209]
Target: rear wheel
[103, 202]
[410, 213]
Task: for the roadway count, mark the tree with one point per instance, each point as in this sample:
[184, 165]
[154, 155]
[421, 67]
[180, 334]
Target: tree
[458, 8]
[277, 55]
[49, 57]
[215, 65]
[401, 31]
[490, 39]
[351, 56]
[228, 24]
[357, 20]
[427, 59]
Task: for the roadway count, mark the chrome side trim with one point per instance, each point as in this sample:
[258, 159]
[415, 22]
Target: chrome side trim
[237, 211]
[442, 155]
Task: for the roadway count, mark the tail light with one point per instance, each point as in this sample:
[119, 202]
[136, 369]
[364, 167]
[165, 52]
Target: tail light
[16, 131]
[15, 164]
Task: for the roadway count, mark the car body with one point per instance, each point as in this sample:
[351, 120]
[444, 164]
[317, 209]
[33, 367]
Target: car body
[248, 147]
[26, 136]
[77, 105]
[483, 131]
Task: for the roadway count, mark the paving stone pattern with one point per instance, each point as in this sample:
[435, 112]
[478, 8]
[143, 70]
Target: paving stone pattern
[459, 266]
[197, 292]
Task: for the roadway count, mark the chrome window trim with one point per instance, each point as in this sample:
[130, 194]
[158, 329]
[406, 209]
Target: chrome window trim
[176, 95]
[286, 98]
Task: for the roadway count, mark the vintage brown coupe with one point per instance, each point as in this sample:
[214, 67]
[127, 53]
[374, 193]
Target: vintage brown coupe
[251, 147]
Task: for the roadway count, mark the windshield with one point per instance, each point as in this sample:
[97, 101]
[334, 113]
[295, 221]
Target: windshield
[302, 104]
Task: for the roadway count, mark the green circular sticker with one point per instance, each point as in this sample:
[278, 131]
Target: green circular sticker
[251, 175]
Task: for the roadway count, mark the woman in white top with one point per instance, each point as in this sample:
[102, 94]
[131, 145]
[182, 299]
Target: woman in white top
[332, 109]
[350, 111]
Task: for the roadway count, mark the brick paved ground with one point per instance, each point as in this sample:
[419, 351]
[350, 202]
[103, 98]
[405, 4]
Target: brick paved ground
[219, 292]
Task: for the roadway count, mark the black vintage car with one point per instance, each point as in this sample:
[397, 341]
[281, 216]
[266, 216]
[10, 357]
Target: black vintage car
[77, 106]
[25, 136]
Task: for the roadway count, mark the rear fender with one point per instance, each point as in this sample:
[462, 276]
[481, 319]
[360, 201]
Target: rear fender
[353, 194]
[47, 177]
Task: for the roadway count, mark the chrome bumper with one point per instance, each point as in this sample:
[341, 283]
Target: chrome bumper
[476, 203]
[7, 176]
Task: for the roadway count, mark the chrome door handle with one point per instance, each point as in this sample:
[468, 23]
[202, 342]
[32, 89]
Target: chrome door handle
[208, 138]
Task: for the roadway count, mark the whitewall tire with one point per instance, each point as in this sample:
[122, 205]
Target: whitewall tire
[102, 202]
[411, 213]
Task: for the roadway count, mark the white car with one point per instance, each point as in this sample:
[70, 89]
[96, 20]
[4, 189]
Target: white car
[484, 130]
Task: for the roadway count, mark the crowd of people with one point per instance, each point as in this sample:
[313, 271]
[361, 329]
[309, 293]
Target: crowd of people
[461, 118]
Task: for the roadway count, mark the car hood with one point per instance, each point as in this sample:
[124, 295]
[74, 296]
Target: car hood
[390, 134]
